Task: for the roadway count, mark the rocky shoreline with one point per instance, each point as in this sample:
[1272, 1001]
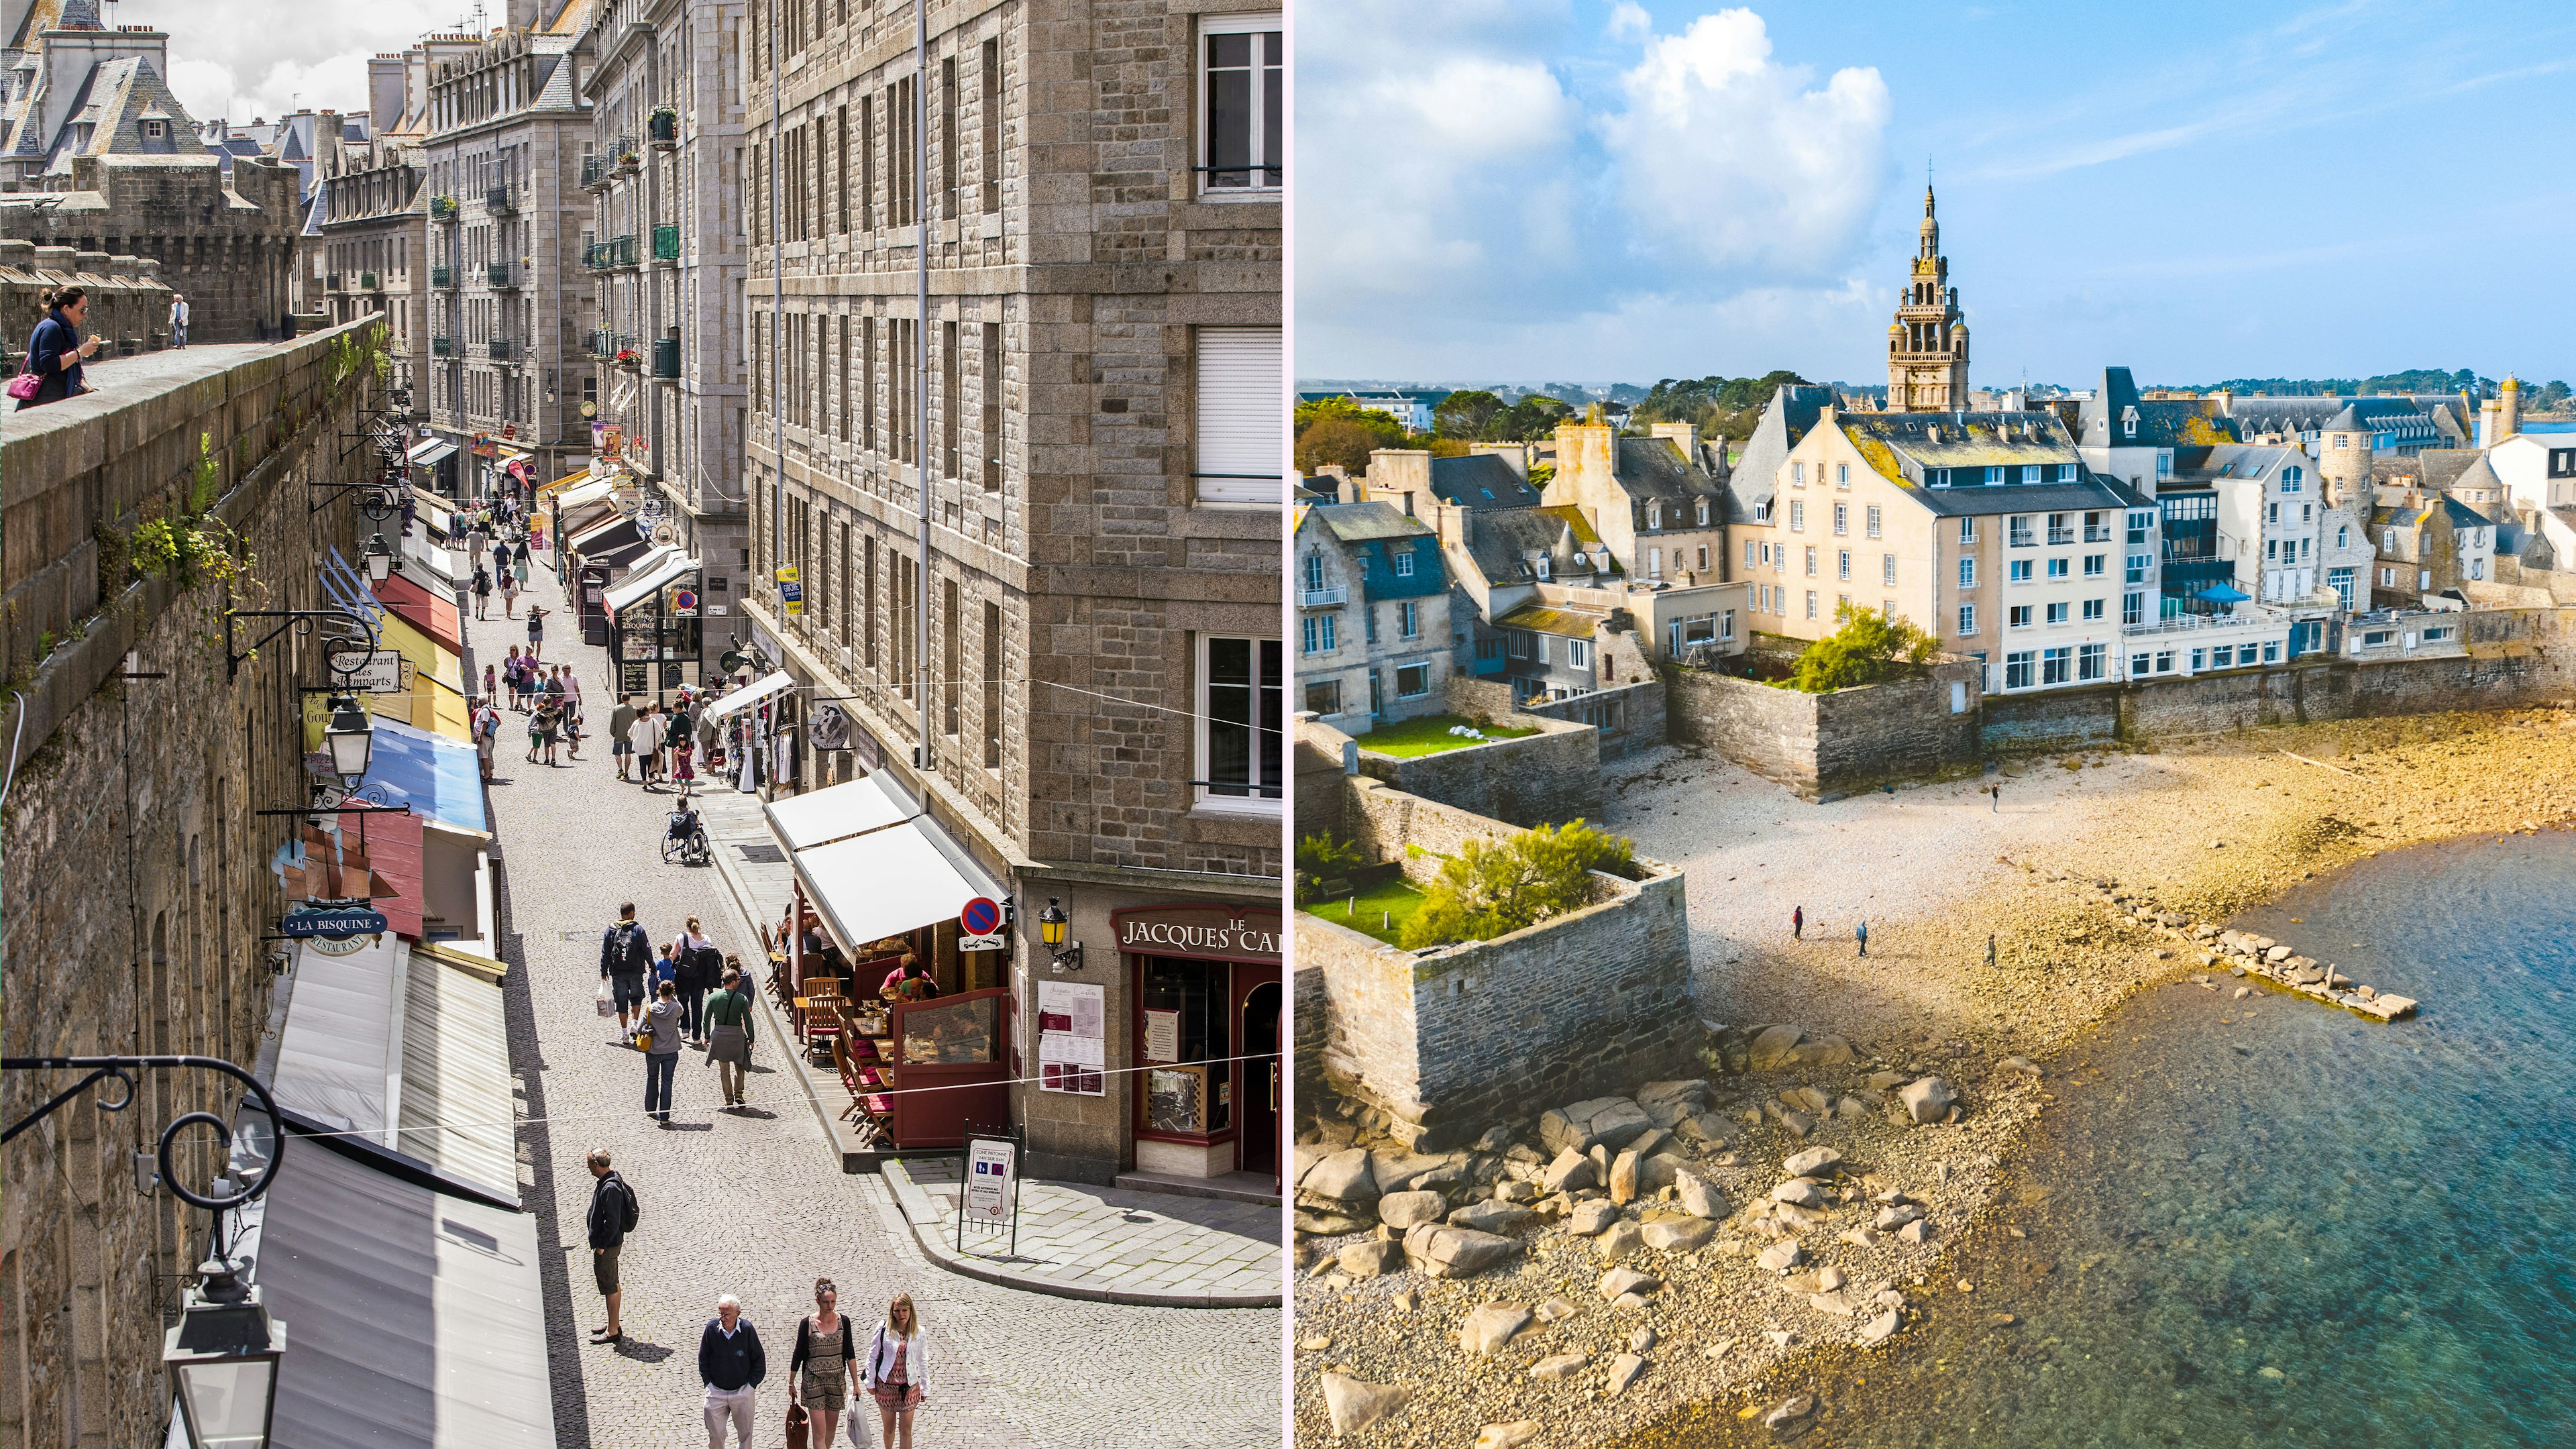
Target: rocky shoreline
[2018, 963]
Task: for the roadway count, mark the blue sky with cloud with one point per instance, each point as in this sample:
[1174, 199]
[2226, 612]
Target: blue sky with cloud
[1571, 189]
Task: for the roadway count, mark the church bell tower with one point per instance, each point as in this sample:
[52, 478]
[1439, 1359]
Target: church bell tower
[1927, 344]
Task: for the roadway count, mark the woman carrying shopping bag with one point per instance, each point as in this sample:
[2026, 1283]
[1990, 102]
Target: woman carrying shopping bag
[823, 1367]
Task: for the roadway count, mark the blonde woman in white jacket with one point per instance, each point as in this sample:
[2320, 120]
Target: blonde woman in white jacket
[896, 1371]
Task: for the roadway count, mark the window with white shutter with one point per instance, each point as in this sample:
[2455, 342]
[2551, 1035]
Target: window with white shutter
[1242, 416]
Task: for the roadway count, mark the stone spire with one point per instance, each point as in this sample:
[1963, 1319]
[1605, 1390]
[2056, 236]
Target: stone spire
[1927, 344]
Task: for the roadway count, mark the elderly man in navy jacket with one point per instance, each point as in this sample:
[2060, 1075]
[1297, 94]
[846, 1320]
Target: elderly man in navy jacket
[731, 1363]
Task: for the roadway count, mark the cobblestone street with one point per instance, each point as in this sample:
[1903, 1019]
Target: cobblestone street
[753, 1203]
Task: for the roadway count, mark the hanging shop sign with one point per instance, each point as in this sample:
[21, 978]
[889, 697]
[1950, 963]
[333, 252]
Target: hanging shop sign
[830, 729]
[332, 921]
[1071, 1045]
[791, 593]
[1229, 933]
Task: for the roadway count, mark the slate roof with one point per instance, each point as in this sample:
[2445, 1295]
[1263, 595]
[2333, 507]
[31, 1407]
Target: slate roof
[2162, 422]
[1901, 445]
[1367, 522]
[1497, 538]
[1657, 468]
[2458, 514]
[1786, 419]
[2431, 468]
[2263, 461]
[1480, 480]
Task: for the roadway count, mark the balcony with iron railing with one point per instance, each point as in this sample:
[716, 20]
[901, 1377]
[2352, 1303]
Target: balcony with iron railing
[594, 171]
[442, 208]
[501, 349]
[442, 347]
[664, 128]
[605, 345]
[666, 358]
[442, 277]
[666, 243]
[1332, 598]
[625, 158]
[331, 282]
[622, 251]
[502, 275]
[367, 282]
[499, 201]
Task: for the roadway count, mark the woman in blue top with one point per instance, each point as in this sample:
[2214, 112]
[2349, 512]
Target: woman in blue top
[55, 351]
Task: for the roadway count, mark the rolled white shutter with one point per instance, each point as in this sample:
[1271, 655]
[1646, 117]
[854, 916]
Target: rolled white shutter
[1242, 422]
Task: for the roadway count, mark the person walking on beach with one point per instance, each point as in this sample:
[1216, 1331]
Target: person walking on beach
[613, 1211]
[731, 1365]
[1996, 790]
[1990, 953]
[897, 1371]
[1798, 923]
[1860, 933]
[625, 955]
[661, 1051]
[621, 725]
[828, 1367]
[728, 1023]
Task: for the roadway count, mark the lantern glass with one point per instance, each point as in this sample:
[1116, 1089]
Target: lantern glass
[352, 740]
[379, 560]
[226, 1400]
[1051, 923]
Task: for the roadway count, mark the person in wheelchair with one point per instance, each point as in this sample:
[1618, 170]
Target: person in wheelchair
[687, 838]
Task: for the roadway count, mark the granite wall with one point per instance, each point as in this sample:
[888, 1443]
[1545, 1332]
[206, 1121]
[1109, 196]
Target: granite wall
[1824, 746]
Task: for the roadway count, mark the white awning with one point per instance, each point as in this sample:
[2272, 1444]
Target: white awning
[751, 694]
[888, 882]
[582, 495]
[423, 454]
[507, 456]
[643, 583]
[802, 822]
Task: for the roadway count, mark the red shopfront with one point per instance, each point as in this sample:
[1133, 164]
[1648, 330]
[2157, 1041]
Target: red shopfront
[1206, 1021]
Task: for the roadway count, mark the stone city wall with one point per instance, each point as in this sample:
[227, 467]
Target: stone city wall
[133, 870]
[1543, 779]
[129, 304]
[2508, 658]
[1449, 1041]
[1824, 746]
[228, 248]
[1629, 716]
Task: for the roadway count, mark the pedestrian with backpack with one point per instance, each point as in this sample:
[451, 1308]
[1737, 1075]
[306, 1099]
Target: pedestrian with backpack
[482, 592]
[487, 732]
[625, 957]
[613, 1211]
[728, 1023]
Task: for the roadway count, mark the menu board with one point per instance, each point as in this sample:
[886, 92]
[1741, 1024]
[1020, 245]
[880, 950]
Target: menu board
[1072, 1022]
[1162, 1036]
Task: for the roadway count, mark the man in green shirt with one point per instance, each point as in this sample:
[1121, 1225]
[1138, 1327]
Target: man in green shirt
[728, 1023]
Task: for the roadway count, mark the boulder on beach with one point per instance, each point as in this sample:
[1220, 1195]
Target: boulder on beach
[1624, 1371]
[1491, 1325]
[1370, 1257]
[1517, 1434]
[1695, 1195]
[1354, 1404]
[1781, 1256]
[1440, 1251]
[1570, 1172]
[1340, 1182]
[1619, 1282]
[1771, 1047]
[1798, 1192]
[1927, 1100]
[1589, 1218]
[1491, 1217]
[1402, 1210]
[1614, 1121]
[1559, 1366]
[1678, 1235]
[1814, 1162]
[1618, 1241]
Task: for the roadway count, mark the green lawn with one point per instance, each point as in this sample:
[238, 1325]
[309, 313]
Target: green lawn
[1380, 911]
[1430, 735]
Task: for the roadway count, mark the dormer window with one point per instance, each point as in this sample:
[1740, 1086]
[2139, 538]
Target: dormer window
[155, 130]
[1703, 513]
[1540, 564]
[2128, 422]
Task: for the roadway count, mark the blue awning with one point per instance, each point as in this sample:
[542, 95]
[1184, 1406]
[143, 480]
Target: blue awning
[2223, 594]
[436, 776]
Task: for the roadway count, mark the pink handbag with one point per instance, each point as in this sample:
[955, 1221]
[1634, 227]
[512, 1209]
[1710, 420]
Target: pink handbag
[23, 387]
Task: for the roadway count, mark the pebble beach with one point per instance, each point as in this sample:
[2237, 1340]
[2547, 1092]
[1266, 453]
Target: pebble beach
[2103, 872]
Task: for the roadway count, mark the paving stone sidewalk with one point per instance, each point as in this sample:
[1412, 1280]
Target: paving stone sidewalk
[1108, 1244]
[753, 1202]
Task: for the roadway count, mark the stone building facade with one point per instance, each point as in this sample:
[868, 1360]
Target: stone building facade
[100, 157]
[665, 251]
[507, 128]
[1087, 618]
[136, 872]
[373, 218]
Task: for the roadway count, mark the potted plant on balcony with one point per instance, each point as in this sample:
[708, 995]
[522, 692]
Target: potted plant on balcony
[627, 159]
[627, 359]
[664, 127]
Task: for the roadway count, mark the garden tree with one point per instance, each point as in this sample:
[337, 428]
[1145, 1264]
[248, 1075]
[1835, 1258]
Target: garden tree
[1534, 416]
[1326, 409]
[1342, 441]
[1465, 414]
[2547, 398]
[1488, 890]
[1723, 407]
[1866, 647]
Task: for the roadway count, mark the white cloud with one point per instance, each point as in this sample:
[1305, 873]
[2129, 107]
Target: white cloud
[1731, 160]
[244, 58]
[1469, 187]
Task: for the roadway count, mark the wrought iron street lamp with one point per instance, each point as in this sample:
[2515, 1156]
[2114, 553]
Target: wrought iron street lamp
[350, 738]
[380, 559]
[222, 1358]
[1052, 923]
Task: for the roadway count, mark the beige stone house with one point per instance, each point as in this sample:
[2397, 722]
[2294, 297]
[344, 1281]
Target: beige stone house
[1658, 502]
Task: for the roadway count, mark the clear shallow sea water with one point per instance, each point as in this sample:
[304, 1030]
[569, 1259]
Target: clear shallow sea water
[2385, 1215]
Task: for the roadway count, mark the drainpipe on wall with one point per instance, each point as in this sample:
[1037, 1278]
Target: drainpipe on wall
[921, 371]
[777, 318]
